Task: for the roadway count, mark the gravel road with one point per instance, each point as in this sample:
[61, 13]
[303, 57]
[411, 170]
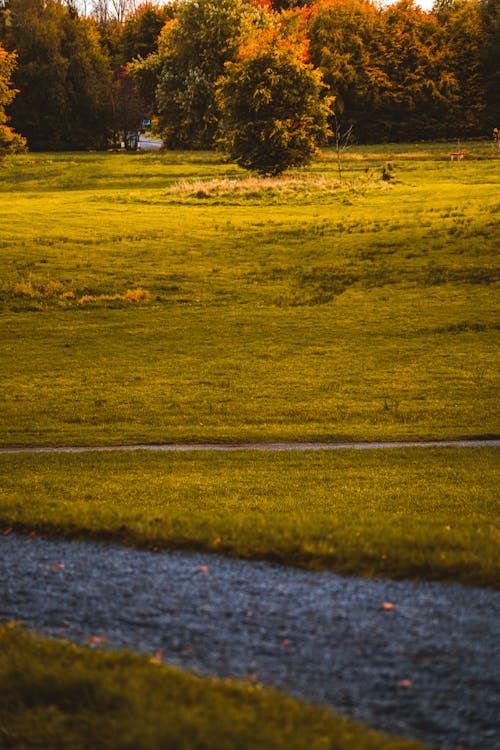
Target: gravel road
[426, 668]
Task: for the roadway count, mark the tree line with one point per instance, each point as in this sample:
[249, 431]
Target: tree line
[234, 73]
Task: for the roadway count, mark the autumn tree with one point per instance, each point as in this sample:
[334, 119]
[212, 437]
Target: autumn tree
[274, 113]
[10, 141]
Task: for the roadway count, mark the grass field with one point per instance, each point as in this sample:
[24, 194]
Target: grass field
[170, 298]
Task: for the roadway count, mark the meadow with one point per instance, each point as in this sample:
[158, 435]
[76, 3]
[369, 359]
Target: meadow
[166, 298]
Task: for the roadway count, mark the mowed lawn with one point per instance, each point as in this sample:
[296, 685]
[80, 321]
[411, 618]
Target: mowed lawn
[160, 298]
[426, 513]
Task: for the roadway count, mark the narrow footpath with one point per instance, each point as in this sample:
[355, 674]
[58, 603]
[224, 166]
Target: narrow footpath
[412, 658]
[273, 447]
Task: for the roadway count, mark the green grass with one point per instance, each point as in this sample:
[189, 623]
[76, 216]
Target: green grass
[171, 298]
[58, 696]
[431, 513]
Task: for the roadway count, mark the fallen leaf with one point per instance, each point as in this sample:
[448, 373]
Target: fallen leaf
[155, 549]
[157, 658]
[252, 676]
[285, 642]
[187, 650]
[32, 534]
[405, 683]
[57, 566]
[97, 639]
[203, 569]
[7, 531]
[387, 606]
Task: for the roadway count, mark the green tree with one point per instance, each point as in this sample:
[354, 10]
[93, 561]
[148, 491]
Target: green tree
[63, 76]
[342, 36]
[490, 61]
[274, 114]
[192, 50]
[141, 29]
[419, 86]
[461, 29]
[10, 141]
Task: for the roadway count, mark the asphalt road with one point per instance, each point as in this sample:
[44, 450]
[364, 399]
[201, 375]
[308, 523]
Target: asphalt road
[425, 665]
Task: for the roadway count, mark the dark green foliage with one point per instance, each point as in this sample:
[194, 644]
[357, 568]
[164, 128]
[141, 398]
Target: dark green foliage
[193, 50]
[400, 73]
[62, 75]
[490, 57]
[141, 29]
[273, 113]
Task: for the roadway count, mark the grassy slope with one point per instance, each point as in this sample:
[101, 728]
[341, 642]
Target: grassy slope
[61, 696]
[430, 513]
[295, 311]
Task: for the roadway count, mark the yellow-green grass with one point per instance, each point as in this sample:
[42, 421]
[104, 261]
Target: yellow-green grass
[149, 298]
[56, 695]
[426, 513]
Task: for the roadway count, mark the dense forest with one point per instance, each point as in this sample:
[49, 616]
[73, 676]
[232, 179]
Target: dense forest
[86, 76]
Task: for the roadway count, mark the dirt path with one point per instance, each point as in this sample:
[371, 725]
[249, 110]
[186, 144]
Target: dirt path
[310, 446]
[426, 667]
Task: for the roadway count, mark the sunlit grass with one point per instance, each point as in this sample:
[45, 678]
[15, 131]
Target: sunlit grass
[304, 310]
[431, 513]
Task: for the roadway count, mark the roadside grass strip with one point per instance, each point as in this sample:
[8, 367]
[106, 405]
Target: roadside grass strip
[56, 695]
[431, 514]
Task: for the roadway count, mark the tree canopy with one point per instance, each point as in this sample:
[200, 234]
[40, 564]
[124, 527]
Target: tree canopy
[273, 110]
[88, 71]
